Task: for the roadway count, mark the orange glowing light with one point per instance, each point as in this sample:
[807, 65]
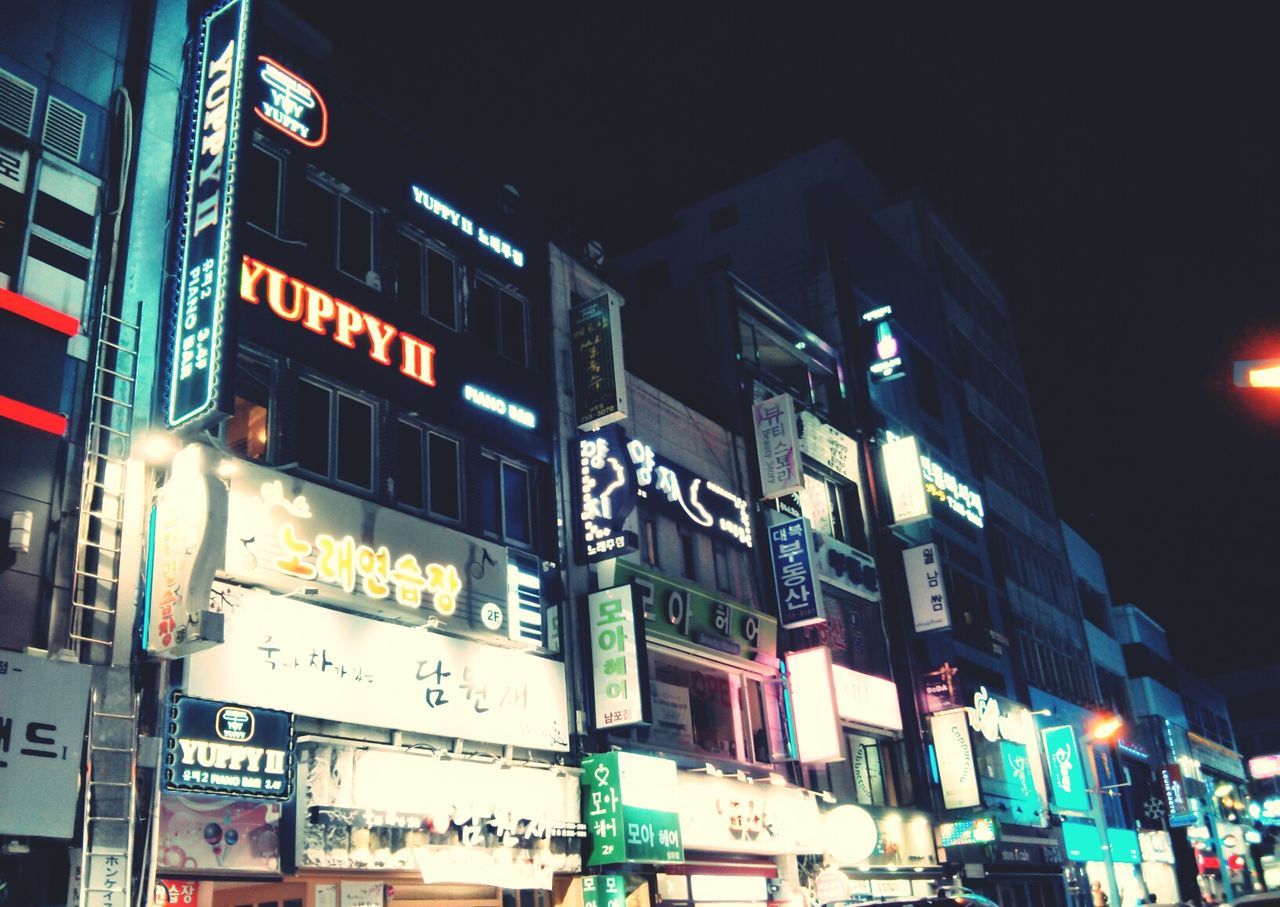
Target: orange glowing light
[1106, 728]
[1265, 377]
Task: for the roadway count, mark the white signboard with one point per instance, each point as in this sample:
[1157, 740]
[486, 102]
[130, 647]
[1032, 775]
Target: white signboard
[906, 484]
[284, 654]
[42, 710]
[925, 588]
[731, 816]
[867, 700]
[813, 706]
[954, 751]
[829, 446]
[777, 447]
[616, 682]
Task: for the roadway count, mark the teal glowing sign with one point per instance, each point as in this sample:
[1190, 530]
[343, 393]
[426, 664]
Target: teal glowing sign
[968, 831]
[1066, 774]
[1082, 842]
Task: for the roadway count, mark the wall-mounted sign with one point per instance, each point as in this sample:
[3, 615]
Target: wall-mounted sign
[291, 299]
[829, 446]
[812, 702]
[604, 891]
[606, 496]
[981, 830]
[867, 700]
[1175, 795]
[465, 225]
[939, 689]
[285, 533]
[906, 485]
[945, 487]
[794, 578]
[500, 406]
[220, 748]
[886, 352]
[684, 614]
[204, 265]
[689, 497]
[1012, 722]
[1220, 759]
[845, 567]
[1262, 767]
[725, 815]
[222, 834]
[454, 820]
[925, 588]
[619, 675]
[290, 103]
[599, 377]
[281, 653]
[42, 709]
[953, 750]
[631, 809]
[777, 446]
[1125, 847]
[1067, 785]
[1082, 842]
[186, 546]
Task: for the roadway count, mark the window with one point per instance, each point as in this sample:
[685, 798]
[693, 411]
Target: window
[260, 191]
[504, 505]
[248, 431]
[426, 281]
[926, 383]
[442, 456]
[649, 538]
[720, 557]
[426, 471]
[318, 220]
[355, 238]
[833, 508]
[496, 318]
[334, 435]
[688, 553]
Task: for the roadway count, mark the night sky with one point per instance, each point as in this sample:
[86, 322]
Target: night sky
[1114, 169]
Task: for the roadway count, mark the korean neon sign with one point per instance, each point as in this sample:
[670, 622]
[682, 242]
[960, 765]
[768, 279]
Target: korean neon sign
[294, 300]
[943, 486]
[450, 215]
[291, 104]
[688, 496]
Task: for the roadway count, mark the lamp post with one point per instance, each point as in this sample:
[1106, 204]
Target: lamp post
[1102, 730]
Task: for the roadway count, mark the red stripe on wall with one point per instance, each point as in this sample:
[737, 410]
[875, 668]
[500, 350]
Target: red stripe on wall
[34, 416]
[40, 314]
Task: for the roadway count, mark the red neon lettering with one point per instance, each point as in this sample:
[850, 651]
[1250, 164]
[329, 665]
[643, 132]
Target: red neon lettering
[320, 308]
[417, 359]
[380, 334]
[350, 321]
[251, 274]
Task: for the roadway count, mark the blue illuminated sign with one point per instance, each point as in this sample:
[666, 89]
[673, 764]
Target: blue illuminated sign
[500, 406]
[460, 222]
[799, 595]
[204, 266]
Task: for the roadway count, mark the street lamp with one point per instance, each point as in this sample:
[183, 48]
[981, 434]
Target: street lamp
[1103, 730]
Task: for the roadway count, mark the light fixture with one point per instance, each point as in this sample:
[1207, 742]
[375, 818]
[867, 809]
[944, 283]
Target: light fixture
[302, 590]
[1106, 728]
[157, 447]
[227, 468]
[20, 530]
[827, 797]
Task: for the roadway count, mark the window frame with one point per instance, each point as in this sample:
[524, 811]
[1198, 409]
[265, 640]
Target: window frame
[339, 198]
[270, 365]
[497, 342]
[426, 430]
[337, 390]
[504, 463]
[281, 160]
[428, 247]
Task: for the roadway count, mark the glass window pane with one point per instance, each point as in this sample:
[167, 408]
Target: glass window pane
[513, 345]
[247, 430]
[441, 298]
[515, 494]
[483, 322]
[409, 272]
[409, 465]
[445, 499]
[721, 557]
[355, 232]
[318, 224]
[261, 193]
[355, 441]
[489, 504]
[312, 435]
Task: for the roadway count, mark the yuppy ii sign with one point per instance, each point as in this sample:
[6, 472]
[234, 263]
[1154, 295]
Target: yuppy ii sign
[205, 249]
[214, 747]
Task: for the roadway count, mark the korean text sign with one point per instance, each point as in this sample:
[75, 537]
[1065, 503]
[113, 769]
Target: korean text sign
[617, 658]
[220, 748]
[599, 380]
[925, 588]
[777, 446]
[794, 580]
[606, 496]
[42, 711]
[604, 891]
[630, 809]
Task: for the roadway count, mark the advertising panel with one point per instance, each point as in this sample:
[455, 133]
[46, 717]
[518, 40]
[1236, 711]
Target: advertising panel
[867, 700]
[813, 706]
[846, 567]
[199, 832]
[606, 496]
[726, 815]
[631, 809]
[777, 446]
[954, 751]
[885, 356]
[906, 485]
[829, 446]
[619, 678]
[599, 377]
[206, 269]
[42, 714]
[925, 588]
[289, 103]
[794, 581]
[1175, 795]
[219, 748]
[1082, 842]
[688, 497]
[284, 654]
[1067, 786]
[1263, 767]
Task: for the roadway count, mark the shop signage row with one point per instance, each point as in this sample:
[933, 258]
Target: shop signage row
[619, 670]
[631, 809]
[285, 654]
[599, 376]
[220, 748]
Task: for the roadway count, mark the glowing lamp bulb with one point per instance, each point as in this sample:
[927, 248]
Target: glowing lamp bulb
[1106, 728]
[1265, 377]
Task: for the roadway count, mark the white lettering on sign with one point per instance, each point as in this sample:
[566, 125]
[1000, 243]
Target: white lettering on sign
[292, 105]
[231, 757]
[450, 215]
[214, 141]
[478, 396]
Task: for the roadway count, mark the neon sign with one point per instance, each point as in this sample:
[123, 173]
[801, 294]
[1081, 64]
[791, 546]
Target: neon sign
[606, 496]
[293, 300]
[195, 372]
[291, 104]
[939, 484]
[499, 406]
[450, 215]
[886, 356]
[682, 493]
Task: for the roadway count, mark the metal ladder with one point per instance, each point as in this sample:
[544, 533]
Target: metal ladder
[110, 796]
[96, 571]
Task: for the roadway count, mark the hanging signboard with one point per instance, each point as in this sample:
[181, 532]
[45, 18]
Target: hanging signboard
[606, 496]
[1175, 794]
[829, 446]
[953, 749]
[845, 567]
[726, 815]
[631, 809]
[925, 588]
[42, 709]
[206, 269]
[794, 581]
[1066, 775]
[812, 704]
[777, 446]
[906, 485]
[599, 377]
[867, 700]
[219, 748]
[604, 891]
[618, 668]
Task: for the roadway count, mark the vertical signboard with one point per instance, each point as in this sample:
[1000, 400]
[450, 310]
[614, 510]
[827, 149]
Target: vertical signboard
[794, 580]
[606, 496]
[205, 258]
[954, 751]
[906, 484]
[1066, 774]
[1175, 794]
[813, 706]
[599, 379]
[777, 446]
[631, 810]
[604, 891]
[925, 588]
[618, 676]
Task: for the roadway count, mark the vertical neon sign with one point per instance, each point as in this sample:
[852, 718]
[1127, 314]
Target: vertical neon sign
[203, 266]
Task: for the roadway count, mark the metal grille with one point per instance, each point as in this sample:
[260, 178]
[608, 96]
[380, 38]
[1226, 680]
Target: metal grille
[63, 129]
[17, 103]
